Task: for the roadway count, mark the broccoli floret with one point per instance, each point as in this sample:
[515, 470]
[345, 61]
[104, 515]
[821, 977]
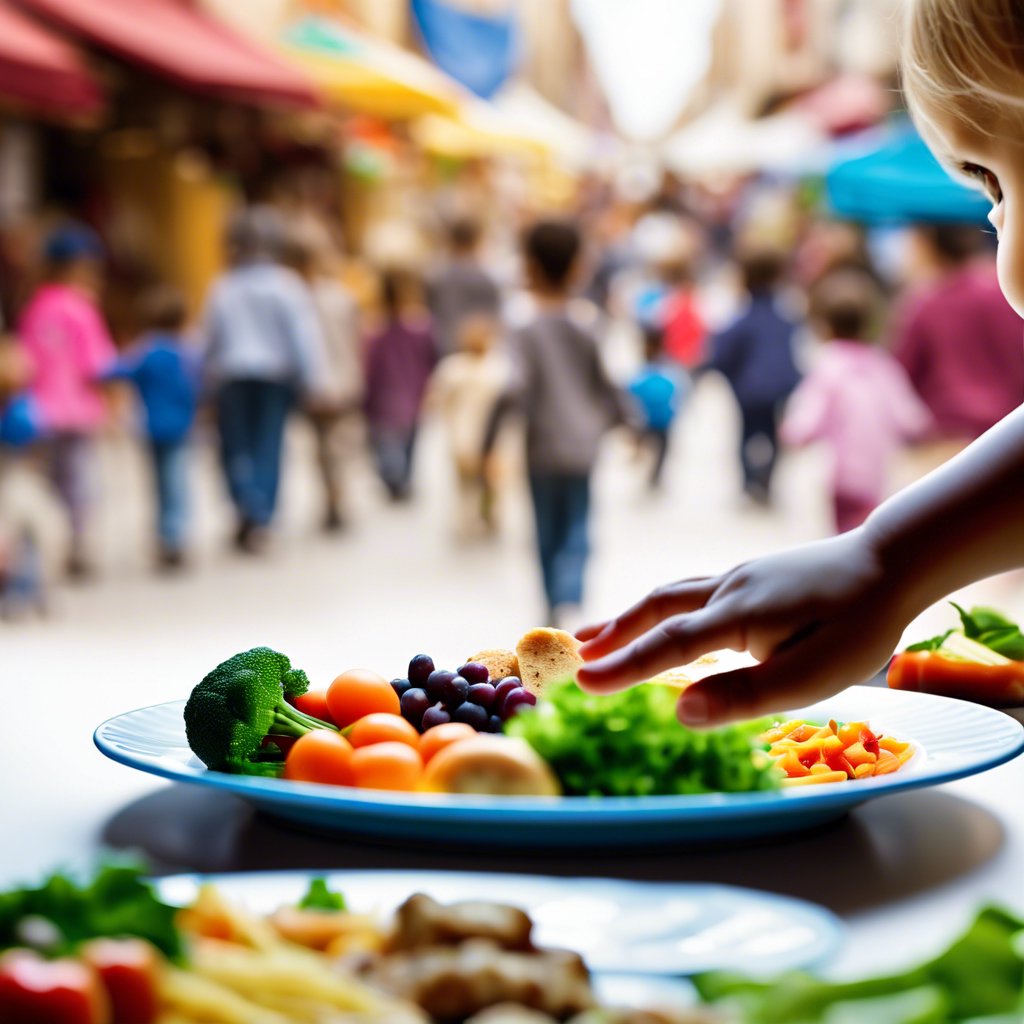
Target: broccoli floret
[239, 704]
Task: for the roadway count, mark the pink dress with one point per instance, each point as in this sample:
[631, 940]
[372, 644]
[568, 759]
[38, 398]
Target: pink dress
[65, 336]
[858, 401]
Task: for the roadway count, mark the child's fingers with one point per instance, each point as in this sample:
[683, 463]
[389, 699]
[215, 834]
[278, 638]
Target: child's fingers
[589, 632]
[798, 675]
[660, 604]
[671, 643]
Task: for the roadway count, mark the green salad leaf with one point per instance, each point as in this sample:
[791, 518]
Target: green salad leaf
[319, 897]
[987, 627]
[980, 977]
[631, 744]
[117, 902]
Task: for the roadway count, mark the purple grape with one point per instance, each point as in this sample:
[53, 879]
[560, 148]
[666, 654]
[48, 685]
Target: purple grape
[474, 672]
[471, 714]
[437, 683]
[483, 694]
[435, 715]
[414, 703]
[509, 683]
[514, 700]
[419, 668]
[455, 692]
[400, 686]
[495, 724]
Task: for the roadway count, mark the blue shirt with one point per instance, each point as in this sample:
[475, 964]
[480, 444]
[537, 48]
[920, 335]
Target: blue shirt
[166, 376]
[755, 354]
[261, 324]
[659, 391]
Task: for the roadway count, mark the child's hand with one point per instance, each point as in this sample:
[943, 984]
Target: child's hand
[820, 618]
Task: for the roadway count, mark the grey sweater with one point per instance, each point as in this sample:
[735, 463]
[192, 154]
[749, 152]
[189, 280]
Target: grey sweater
[564, 393]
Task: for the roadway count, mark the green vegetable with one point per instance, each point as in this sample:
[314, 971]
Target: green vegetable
[631, 744]
[319, 897]
[984, 625]
[117, 903]
[980, 976]
[239, 704]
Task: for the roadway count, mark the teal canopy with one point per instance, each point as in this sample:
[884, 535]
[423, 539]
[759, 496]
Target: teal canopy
[900, 182]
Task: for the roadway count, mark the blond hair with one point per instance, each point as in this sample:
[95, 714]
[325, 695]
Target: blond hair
[963, 59]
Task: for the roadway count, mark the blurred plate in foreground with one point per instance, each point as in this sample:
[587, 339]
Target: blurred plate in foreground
[619, 927]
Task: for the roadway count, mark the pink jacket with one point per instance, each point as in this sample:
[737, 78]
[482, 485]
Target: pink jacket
[859, 401]
[65, 336]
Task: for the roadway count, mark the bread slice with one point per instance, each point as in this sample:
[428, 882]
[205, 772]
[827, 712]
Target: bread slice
[546, 656]
[500, 663]
[706, 665]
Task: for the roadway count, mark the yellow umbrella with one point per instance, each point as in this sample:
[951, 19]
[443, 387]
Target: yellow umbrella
[477, 129]
[367, 75]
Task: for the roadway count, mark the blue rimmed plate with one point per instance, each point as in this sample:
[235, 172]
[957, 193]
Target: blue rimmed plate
[619, 927]
[952, 739]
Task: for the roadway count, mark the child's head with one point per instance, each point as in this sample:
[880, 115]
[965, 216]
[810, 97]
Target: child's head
[654, 342]
[963, 74]
[477, 334]
[761, 269]
[845, 305]
[400, 290]
[464, 235]
[255, 234]
[162, 308]
[74, 254]
[551, 249]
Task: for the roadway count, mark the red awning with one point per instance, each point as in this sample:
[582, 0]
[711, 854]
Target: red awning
[41, 70]
[171, 38]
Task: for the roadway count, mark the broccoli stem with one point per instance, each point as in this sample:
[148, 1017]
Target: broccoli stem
[289, 721]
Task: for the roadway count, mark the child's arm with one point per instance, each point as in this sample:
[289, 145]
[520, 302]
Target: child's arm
[807, 412]
[829, 614]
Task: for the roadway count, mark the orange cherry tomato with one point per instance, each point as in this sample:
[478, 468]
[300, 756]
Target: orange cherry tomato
[383, 728]
[387, 766]
[434, 740]
[320, 756]
[357, 693]
[314, 702]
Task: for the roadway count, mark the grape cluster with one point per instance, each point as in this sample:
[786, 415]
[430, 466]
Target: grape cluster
[432, 696]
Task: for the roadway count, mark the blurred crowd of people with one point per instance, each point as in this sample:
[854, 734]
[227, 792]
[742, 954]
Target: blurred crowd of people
[825, 335]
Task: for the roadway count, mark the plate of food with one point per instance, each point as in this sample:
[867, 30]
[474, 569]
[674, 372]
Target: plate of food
[385, 946]
[507, 750]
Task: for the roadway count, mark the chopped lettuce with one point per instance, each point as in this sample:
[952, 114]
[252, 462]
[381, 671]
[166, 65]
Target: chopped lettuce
[631, 744]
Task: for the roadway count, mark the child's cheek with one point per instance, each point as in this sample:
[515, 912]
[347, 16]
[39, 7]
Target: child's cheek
[1010, 263]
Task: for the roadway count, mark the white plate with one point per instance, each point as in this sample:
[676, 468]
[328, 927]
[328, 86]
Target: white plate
[620, 927]
[952, 738]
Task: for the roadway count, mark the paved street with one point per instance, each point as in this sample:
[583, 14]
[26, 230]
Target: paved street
[394, 585]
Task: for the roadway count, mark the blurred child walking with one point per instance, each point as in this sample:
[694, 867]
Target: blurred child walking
[755, 355]
[659, 389]
[166, 375]
[70, 348]
[564, 393]
[464, 391]
[399, 359]
[857, 399]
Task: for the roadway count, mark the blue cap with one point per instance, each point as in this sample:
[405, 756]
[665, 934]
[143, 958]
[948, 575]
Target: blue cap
[72, 241]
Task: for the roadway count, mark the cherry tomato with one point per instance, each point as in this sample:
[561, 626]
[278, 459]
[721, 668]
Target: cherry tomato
[387, 766]
[314, 702]
[440, 736]
[357, 693]
[128, 970]
[382, 728]
[38, 991]
[320, 756]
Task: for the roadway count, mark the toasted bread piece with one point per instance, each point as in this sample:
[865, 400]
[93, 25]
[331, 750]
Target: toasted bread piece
[546, 656]
[500, 663]
[706, 665]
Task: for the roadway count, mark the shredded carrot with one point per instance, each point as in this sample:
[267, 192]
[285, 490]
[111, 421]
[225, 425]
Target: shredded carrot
[807, 754]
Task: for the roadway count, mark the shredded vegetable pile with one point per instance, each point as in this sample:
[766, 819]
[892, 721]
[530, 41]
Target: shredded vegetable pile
[809, 753]
[631, 744]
